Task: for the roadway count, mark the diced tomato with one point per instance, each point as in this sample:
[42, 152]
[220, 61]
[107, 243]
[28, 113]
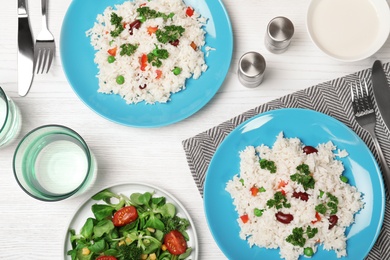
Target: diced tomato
[254, 190]
[142, 4]
[318, 218]
[112, 51]
[189, 11]
[159, 74]
[283, 192]
[152, 29]
[193, 45]
[244, 218]
[143, 61]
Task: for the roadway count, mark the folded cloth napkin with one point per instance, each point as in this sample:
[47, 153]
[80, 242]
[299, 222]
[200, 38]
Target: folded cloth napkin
[332, 98]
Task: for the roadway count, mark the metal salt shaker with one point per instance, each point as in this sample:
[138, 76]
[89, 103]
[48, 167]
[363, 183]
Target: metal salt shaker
[251, 68]
[280, 30]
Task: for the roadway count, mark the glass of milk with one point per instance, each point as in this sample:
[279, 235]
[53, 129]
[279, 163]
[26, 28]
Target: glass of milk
[10, 119]
[53, 162]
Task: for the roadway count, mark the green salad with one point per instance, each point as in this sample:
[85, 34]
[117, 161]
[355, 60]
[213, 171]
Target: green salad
[140, 226]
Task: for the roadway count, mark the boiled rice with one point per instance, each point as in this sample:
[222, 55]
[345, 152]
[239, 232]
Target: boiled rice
[265, 231]
[133, 89]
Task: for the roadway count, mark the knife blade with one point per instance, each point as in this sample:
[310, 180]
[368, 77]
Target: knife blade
[381, 91]
[25, 50]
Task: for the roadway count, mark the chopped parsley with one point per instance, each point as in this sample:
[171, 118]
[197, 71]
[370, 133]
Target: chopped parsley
[169, 33]
[117, 22]
[297, 237]
[146, 13]
[128, 49]
[331, 204]
[269, 165]
[278, 201]
[303, 177]
[156, 56]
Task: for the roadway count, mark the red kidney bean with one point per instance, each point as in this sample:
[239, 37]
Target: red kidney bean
[309, 149]
[136, 24]
[333, 221]
[284, 218]
[175, 42]
[301, 195]
[142, 87]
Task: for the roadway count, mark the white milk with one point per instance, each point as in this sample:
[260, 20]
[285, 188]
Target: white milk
[345, 28]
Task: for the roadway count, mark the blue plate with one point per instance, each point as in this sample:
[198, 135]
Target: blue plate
[312, 128]
[77, 57]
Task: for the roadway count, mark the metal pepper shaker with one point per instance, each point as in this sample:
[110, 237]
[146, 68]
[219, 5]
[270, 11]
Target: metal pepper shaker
[251, 68]
[280, 30]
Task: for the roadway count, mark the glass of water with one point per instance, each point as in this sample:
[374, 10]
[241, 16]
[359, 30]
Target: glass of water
[53, 162]
[9, 119]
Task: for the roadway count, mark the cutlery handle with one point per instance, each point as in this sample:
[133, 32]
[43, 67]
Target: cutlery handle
[44, 9]
[385, 167]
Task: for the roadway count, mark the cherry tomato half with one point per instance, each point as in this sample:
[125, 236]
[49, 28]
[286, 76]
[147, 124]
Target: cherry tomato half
[175, 242]
[125, 216]
[106, 257]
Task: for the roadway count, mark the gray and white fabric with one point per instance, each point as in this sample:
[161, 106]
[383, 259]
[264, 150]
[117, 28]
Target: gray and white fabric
[332, 98]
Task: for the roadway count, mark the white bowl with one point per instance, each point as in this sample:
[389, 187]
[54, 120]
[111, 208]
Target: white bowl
[348, 30]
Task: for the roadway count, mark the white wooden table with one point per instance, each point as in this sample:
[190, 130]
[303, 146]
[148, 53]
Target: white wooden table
[35, 230]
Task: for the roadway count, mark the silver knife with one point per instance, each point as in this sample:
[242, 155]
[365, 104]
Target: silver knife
[25, 50]
[381, 91]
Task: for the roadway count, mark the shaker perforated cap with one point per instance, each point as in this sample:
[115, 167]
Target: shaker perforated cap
[280, 30]
[251, 68]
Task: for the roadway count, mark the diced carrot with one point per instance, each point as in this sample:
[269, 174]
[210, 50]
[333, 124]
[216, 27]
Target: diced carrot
[193, 45]
[244, 218]
[282, 184]
[142, 4]
[283, 192]
[143, 61]
[189, 11]
[318, 218]
[112, 51]
[159, 74]
[152, 29]
[254, 190]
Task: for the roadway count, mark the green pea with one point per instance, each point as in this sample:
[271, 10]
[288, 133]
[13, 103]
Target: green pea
[111, 59]
[344, 179]
[308, 251]
[262, 189]
[242, 181]
[176, 71]
[142, 18]
[321, 193]
[120, 79]
[258, 212]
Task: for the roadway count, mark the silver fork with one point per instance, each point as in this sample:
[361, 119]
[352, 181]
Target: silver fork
[45, 46]
[366, 118]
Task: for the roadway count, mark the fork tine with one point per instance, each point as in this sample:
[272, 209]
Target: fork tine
[44, 59]
[354, 98]
[40, 58]
[50, 59]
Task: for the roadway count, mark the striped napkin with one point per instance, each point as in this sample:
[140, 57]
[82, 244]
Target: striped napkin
[332, 98]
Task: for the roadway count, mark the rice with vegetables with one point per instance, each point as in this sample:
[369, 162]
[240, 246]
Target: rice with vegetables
[146, 50]
[294, 197]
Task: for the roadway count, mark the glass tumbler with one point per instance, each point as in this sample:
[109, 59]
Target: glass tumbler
[10, 119]
[53, 162]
